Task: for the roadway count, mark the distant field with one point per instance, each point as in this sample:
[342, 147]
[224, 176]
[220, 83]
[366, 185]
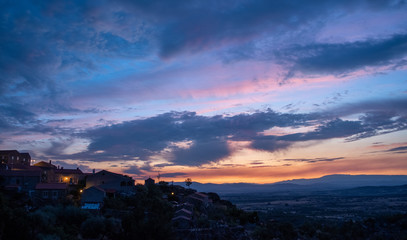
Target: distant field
[352, 204]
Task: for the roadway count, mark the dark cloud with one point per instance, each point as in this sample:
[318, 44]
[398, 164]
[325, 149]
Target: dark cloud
[339, 58]
[194, 26]
[161, 165]
[173, 175]
[328, 58]
[270, 143]
[146, 167]
[57, 147]
[333, 129]
[313, 160]
[257, 163]
[402, 149]
[207, 136]
[201, 153]
[16, 116]
[396, 107]
[134, 170]
[146, 137]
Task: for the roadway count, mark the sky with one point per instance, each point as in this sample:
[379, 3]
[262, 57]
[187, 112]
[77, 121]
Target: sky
[218, 91]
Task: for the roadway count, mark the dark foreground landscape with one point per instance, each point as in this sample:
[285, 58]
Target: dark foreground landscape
[166, 211]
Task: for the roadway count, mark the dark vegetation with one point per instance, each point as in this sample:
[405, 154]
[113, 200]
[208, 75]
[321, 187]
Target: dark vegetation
[144, 215]
[148, 215]
[385, 227]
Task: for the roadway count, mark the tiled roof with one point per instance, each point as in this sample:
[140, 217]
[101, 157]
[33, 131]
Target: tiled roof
[105, 172]
[183, 211]
[44, 164]
[181, 218]
[68, 171]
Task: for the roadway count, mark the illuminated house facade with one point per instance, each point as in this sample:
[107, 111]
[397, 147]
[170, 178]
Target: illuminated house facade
[54, 174]
[69, 176]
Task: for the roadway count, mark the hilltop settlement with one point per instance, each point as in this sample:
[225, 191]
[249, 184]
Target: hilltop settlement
[52, 202]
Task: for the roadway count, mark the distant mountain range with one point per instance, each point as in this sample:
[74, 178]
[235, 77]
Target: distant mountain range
[325, 183]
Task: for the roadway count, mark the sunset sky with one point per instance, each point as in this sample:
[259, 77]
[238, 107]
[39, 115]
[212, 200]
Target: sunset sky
[218, 91]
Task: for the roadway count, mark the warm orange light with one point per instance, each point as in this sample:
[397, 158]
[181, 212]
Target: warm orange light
[81, 191]
[66, 178]
[172, 193]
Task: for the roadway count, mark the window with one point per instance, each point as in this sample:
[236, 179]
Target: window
[54, 194]
[45, 194]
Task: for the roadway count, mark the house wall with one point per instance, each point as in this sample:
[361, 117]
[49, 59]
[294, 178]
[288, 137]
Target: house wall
[68, 178]
[107, 180]
[14, 157]
[51, 194]
[26, 183]
[92, 195]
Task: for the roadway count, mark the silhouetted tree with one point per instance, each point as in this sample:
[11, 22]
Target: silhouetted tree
[188, 182]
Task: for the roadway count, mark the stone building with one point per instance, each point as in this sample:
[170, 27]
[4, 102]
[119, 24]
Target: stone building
[12, 158]
[109, 180]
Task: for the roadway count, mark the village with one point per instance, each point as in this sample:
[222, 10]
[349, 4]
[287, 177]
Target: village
[190, 214]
